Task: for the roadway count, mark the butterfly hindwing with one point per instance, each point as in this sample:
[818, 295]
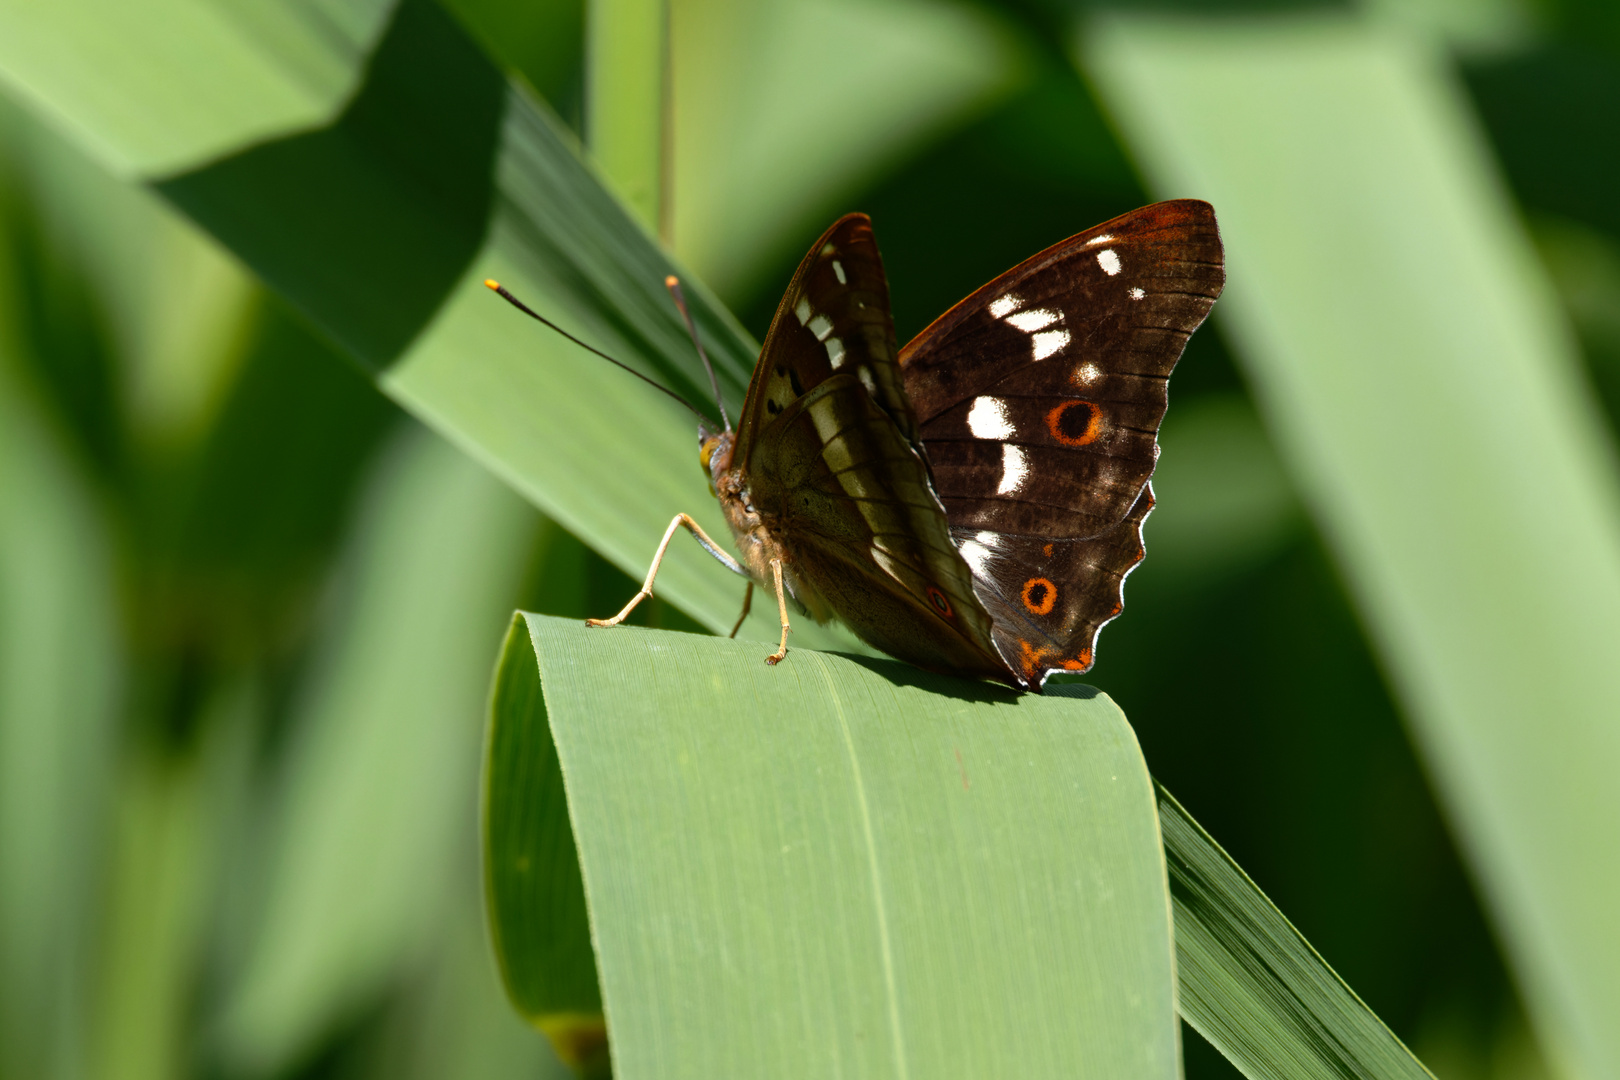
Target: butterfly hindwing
[851, 500]
[1039, 397]
[1049, 598]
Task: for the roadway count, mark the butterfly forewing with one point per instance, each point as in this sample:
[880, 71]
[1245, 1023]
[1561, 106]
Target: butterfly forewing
[834, 318]
[1039, 397]
[829, 445]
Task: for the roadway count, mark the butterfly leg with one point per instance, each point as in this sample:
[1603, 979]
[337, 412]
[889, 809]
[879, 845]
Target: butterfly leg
[781, 606]
[681, 521]
[748, 602]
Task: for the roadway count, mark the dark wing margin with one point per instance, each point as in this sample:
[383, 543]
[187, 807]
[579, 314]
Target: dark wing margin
[1039, 397]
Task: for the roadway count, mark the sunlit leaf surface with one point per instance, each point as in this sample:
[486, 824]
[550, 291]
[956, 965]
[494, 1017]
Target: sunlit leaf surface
[830, 867]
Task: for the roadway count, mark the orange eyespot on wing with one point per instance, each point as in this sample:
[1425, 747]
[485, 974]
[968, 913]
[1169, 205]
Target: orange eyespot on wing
[1074, 423]
[1039, 595]
[941, 602]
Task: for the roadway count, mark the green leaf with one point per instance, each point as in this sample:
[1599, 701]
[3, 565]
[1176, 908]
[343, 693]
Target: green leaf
[627, 100]
[833, 866]
[367, 832]
[381, 225]
[1252, 985]
[61, 669]
[366, 224]
[168, 83]
[775, 132]
[1410, 362]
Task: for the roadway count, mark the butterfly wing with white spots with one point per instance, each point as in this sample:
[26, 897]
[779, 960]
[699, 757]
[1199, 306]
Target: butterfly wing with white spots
[850, 503]
[833, 319]
[1050, 598]
[833, 468]
[1038, 401]
[1039, 397]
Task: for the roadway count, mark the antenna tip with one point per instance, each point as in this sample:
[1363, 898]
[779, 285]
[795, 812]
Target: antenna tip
[491, 283]
[671, 281]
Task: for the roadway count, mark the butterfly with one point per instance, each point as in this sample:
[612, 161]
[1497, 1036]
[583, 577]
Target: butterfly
[970, 503]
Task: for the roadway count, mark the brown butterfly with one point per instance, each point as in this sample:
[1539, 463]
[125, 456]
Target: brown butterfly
[973, 502]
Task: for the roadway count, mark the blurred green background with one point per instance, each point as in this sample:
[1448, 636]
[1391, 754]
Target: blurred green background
[248, 606]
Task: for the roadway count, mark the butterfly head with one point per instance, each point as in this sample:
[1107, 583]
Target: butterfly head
[714, 454]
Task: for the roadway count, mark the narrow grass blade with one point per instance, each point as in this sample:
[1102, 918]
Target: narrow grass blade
[830, 867]
[369, 818]
[776, 132]
[1253, 986]
[1408, 356]
[61, 674]
[627, 108]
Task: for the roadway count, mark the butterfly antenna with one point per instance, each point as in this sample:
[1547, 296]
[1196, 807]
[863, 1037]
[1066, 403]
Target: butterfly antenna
[501, 291]
[673, 284]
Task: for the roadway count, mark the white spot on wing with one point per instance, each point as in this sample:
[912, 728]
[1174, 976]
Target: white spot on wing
[988, 539]
[1087, 373]
[820, 326]
[1003, 306]
[1034, 319]
[802, 310]
[1137, 294]
[988, 419]
[1109, 261]
[835, 452]
[1048, 342]
[865, 373]
[835, 352]
[977, 556]
[838, 268]
[1013, 469]
[1103, 239]
[823, 414]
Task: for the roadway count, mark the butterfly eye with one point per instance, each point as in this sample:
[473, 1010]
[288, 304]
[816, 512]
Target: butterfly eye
[940, 602]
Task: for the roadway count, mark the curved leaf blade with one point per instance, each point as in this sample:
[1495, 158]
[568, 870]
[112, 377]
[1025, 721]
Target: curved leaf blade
[829, 867]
